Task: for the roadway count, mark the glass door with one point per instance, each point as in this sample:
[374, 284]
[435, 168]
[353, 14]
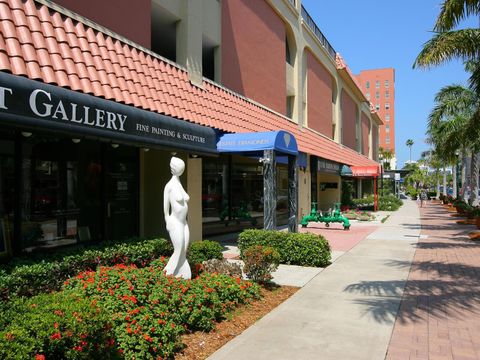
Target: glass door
[7, 186]
[121, 165]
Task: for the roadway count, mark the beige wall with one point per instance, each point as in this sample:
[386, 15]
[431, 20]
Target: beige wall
[304, 195]
[327, 198]
[154, 174]
[194, 190]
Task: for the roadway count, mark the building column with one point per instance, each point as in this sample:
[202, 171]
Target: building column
[269, 190]
[189, 40]
[292, 193]
[194, 189]
[337, 114]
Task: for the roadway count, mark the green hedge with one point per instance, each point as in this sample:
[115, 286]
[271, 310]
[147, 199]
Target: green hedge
[294, 248]
[31, 276]
[201, 251]
[385, 203]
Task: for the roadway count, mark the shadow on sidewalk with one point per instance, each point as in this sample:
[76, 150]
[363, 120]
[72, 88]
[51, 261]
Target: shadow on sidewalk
[435, 289]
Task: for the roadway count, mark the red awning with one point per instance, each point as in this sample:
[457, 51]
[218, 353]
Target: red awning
[365, 171]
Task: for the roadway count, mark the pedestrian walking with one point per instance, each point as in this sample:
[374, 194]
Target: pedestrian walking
[423, 197]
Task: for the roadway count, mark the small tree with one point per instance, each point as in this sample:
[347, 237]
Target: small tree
[410, 143]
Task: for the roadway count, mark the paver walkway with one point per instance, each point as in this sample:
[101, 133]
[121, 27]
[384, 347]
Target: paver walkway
[439, 316]
[348, 310]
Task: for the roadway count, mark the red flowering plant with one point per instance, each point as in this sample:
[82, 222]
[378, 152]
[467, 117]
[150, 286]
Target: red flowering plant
[60, 325]
[150, 310]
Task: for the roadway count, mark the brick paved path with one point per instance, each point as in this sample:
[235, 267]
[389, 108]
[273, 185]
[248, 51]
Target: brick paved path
[439, 315]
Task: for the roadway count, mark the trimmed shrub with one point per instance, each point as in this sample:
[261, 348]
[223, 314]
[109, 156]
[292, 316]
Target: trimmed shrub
[60, 325]
[304, 249]
[260, 262]
[28, 277]
[385, 203]
[201, 251]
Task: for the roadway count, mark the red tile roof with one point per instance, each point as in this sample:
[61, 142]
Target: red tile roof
[42, 44]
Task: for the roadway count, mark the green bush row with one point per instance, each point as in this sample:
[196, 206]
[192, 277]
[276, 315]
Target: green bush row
[27, 277]
[385, 203]
[294, 248]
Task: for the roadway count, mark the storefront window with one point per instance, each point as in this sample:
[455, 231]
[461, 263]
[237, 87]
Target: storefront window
[232, 194]
[7, 186]
[61, 195]
[247, 191]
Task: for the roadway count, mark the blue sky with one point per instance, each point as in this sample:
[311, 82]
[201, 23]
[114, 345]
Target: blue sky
[374, 34]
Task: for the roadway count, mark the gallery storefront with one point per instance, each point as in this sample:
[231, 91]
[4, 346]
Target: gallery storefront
[70, 164]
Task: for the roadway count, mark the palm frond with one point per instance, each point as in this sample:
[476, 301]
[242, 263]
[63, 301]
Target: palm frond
[474, 80]
[446, 46]
[453, 11]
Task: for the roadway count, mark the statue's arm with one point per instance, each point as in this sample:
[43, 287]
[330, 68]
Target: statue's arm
[166, 203]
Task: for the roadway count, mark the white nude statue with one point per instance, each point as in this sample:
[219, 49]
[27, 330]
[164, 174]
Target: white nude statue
[176, 199]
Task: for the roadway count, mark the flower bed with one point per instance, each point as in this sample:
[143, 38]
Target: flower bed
[146, 310]
[28, 277]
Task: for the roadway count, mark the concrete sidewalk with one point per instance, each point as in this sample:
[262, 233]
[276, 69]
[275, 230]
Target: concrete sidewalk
[348, 310]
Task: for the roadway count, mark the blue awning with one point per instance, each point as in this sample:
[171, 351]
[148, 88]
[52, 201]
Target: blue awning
[346, 171]
[281, 141]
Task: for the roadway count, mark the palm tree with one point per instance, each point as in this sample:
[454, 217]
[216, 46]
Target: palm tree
[409, 143]
[448, 44]
[386, 155]
[451, 129]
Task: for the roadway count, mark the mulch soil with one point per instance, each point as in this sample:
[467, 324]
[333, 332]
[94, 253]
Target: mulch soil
[199, 345]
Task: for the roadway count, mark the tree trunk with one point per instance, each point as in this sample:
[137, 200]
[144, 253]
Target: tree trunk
[473, 200]
[444, 182]
[463, 175]
[454, 181]
[438, 184]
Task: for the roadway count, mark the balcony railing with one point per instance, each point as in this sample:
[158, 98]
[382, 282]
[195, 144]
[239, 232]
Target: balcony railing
[323, 40]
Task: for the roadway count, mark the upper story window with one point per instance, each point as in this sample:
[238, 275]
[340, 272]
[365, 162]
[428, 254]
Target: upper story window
[377, 84]
[387, 117]
[387, 94]
[367, 96]
[387, 106]
[377, 94]
[367, 84]
[377, 107]
[387, 140]
[387, 128]
[387, 83]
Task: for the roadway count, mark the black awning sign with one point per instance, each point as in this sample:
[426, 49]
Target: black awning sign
[32, 103]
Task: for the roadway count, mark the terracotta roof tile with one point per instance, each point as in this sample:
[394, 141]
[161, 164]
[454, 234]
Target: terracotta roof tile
[19, 18]
[42, 44]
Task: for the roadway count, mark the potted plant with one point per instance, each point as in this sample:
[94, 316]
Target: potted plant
[364, 216]
[460, 205]
[476, 215]
[469, 211]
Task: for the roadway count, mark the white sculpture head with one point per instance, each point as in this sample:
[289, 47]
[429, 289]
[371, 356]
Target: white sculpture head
[177, 166]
